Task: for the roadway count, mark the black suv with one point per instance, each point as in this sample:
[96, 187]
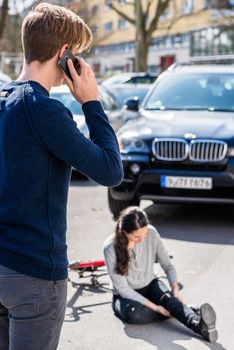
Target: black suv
[180, 148]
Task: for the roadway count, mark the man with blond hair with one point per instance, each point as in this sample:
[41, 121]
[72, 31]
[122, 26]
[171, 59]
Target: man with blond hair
[39, 143]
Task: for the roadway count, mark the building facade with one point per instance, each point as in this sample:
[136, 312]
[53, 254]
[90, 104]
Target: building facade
[189, 31]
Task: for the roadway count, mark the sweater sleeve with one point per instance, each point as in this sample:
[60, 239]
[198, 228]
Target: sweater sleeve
[120, 282]
[164, 260]
[97, 157]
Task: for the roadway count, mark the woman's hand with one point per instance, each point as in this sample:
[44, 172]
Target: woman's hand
[157, 308]
[84, 86]
[176, 294]
[176, 291]
[162, 311]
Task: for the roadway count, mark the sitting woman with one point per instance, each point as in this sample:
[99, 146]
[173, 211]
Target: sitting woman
[139, 296]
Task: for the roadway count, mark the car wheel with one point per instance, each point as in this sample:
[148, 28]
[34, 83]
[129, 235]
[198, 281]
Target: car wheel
[117, 206]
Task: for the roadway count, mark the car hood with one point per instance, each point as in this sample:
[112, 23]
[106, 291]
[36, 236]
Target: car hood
[200, 124]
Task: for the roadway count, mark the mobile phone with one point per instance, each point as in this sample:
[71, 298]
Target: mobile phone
[63, 63]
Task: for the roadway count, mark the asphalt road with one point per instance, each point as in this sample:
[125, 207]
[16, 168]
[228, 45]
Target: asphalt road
[201, 239]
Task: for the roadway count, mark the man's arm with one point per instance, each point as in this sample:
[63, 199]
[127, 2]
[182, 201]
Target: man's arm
[98, 158]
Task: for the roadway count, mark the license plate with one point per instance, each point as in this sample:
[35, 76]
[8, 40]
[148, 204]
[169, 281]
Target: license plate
[196, 183]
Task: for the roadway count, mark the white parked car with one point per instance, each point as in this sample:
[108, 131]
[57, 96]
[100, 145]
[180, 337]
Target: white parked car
[4, 78]
[110, 105]
[63, 94]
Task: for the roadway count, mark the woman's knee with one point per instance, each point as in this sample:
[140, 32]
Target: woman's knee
[134, 314]
[141, 314]
[127, 310]
[131, 311]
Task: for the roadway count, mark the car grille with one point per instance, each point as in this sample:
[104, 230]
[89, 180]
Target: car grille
[207, 150]
[174, 149]
[170, 149]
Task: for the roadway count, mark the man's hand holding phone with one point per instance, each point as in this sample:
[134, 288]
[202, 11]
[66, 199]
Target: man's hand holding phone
[83, 86]
[62, 62]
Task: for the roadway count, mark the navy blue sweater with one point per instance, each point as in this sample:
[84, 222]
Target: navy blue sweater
[39, 143]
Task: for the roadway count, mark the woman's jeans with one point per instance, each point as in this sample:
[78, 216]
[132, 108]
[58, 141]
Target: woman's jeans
[132, 311]
[31, 311]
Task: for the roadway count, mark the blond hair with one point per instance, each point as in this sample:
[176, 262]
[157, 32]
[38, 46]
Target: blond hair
[48, 27]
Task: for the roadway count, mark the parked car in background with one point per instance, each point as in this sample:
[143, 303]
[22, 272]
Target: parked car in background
[133, 94]
[110, 105]
[181, 146]
[131, 78]
[4, 78]
[112, 99]
[123, 92]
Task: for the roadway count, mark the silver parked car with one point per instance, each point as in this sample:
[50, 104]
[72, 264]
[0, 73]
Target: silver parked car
[110, 105]
[131, 78]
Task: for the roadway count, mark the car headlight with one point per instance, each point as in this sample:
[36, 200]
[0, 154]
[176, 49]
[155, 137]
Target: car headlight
[231, 151]
[132, 145]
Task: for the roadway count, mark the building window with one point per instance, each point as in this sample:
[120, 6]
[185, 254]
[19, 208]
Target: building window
[94, 10]
[106, 7]
[122, 2]
[210, 4]
[165, 15]
[177, 40]
[187, 7]
[216, 41]
[122, 24]
[224, 4]
[212, 41]
[186, 39]
[108, 27]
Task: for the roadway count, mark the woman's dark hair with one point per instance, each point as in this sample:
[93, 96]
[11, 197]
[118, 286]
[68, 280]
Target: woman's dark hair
[130, 219]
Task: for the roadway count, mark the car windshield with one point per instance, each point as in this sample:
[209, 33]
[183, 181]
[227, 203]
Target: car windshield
[116, 79]
[108, 101]
[130, 79]
[193, 92]
[68, 100]
[142, 80]
[122, 93]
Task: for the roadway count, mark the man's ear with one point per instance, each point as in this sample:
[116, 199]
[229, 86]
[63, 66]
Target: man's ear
[63, 48]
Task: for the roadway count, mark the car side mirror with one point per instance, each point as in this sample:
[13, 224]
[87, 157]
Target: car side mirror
[132, 104]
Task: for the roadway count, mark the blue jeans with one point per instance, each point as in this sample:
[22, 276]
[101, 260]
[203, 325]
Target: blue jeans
[132, 311]
[31, 311]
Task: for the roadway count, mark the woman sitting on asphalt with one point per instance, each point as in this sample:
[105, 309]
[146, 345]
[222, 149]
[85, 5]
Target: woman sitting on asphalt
[138, 295]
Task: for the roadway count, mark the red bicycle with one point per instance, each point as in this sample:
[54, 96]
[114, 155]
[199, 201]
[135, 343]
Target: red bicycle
[89, 268]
